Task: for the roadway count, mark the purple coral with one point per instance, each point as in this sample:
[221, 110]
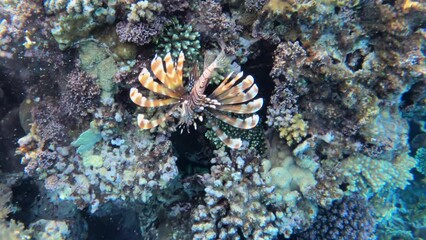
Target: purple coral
[139, 33]
[81, 94]
[50, 127]
[349, 218]
[215, 24]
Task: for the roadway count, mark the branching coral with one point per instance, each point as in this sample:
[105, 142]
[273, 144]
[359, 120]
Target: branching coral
[75, 19]
[237, 213]
[11, 229]
[112, 166]
[349, 218]
[295, 131]
[370, 176]
[139, 33]
[214, 23]
[144, 10]
[176, 38]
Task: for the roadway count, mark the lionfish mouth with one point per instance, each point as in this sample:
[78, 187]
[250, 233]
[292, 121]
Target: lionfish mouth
[233, 96]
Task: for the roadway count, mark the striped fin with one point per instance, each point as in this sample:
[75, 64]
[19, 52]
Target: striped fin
[148, 124]
[226, 84]
[179, 68]
[246, 123]
[158, 70]
[240, 98]
[234, 143]
[250, 107]
[138, 99]
[148, 82]
[171, 72]
[237, 89]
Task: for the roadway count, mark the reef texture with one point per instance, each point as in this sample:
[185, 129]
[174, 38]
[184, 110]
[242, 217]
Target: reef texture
[341, 133]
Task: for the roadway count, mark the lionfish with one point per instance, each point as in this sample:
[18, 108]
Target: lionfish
[231, 96]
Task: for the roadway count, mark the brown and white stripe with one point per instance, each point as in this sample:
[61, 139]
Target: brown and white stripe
[148, 82]
[248, 108]
[142, 101]
[237, 89]
[247, 123]
[234, 143]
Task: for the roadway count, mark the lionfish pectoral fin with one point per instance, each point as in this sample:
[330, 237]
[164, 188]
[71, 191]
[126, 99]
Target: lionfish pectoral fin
[142, 101]
[148, 82]
[148, 124]
[247, 123]
[179, 68]
[247, 108]
[242, 97]
[234, 143]
[239, 89]
[225, 85]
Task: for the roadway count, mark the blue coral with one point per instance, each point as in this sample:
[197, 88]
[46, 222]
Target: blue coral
[421, 160]
[349, 219]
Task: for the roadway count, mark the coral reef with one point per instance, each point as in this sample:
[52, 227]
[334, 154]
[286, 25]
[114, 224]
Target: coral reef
[110, 165]
[338, 137]
[232, 211]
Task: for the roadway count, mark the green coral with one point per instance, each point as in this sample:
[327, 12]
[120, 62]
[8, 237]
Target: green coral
[77, 18]
[87, 140]
[421, 160]
[69, 29]
[98, 62]
[176, 38]
[369, 176]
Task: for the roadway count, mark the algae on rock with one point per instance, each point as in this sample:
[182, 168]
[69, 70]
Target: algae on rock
[98, 62]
